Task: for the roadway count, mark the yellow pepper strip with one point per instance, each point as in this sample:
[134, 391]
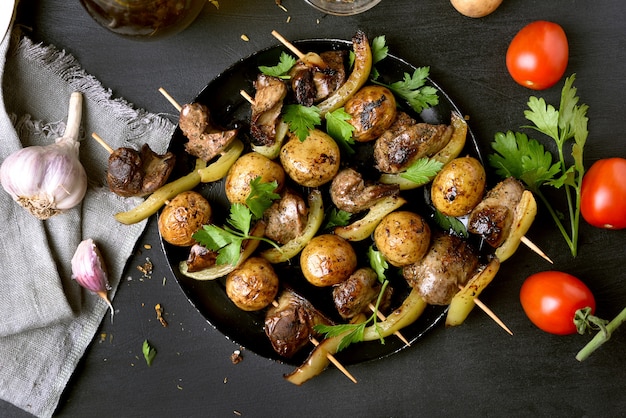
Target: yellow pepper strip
[363, 228]
[523, 218]
[293, 247]
[464, 301]
[411, 309]
[201, 173]
[358, 77]
[156, 200]
[452, 150]
[248, 247]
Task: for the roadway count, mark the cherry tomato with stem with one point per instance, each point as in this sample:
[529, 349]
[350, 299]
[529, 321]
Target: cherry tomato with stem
[550, 299]
[603, 194]
[538, 55]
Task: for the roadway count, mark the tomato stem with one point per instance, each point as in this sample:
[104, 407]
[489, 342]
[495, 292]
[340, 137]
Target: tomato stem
[602, 336]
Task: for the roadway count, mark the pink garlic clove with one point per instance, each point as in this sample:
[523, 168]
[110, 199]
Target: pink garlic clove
[89, 271]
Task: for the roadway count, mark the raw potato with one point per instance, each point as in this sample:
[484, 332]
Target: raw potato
[253, 285]
[248, 167]
[182, 217]
[403, 237]
[459, 186]
[327, 260]
[475, 8]
[312, 162]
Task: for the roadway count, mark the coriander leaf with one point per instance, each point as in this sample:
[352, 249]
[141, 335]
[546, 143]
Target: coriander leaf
[338, 127]
[301, 119]
[337, 217]
[149, 352]
[523, 158]
[280, 70]
[261, 196]
[422, 171]
[450, 223]
[414, 90]
[378, 263]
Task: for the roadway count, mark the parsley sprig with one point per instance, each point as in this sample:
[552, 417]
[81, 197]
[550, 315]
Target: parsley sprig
[280, 70]
[227, 240]
[526, 159]
[354, 333]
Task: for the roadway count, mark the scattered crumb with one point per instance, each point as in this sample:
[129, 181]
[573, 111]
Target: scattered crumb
[244, 37]
[225, 380]
[236, 357]
[103, 337]
[317, 21]
[159, 313]
[279, 3]
[288, 19]
[146, 269]
[164, 280]
[236, 412]
[147, 246]
[179, 387]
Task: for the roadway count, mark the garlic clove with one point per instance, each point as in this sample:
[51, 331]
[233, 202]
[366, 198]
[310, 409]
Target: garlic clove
[89, 270]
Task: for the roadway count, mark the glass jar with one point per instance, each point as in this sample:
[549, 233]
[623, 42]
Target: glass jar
[144, 19]
[343, 7]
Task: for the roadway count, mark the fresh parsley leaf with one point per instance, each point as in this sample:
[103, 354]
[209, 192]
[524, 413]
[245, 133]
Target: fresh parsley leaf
[414, 90]
[353, 333]
[378, 263]
[261, 197]
[240, 217]
[336, 217]
[527, 160]
[149, 352]
[523, 158]
[380, 51]
[281, 70]
[450, 223]
[301, 119]
[338, 127]
[422, 171]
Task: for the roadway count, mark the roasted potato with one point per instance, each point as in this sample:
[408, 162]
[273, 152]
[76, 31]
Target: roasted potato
[312, 162]
[475, 8]
[327, 260]
[403, 237]
[182, 217]
[459, 186]
[253, 285]
[248, 167]
[372, 110]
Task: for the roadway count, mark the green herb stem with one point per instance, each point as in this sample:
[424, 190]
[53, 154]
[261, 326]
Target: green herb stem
[601, 337]
[557, 221]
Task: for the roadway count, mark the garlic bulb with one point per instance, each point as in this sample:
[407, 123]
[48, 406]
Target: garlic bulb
[47, 180]
[89, 270]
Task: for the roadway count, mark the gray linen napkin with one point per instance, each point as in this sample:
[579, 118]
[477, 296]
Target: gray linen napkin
[47, 319]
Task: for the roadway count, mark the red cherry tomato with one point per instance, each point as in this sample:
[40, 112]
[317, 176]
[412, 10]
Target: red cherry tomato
[551, 298]
[537, 56]
[603, 194]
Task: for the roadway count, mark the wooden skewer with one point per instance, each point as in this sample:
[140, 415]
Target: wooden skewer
[382, 317]
[536, 249]
[491, 314]
[170, 99]
[288, 44]
[329, 356]
[247, 96]
[102, 142]
[335, 362]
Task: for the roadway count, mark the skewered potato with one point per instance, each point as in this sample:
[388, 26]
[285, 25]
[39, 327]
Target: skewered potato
[312, 162]
[459, 186]
[253, 285]
[327, 260]
[182, 217]
[403, 237]
[248, 167]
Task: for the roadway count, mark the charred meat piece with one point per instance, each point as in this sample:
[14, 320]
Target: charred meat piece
[406, 141]
[353, 295]
[206, 141]
[351, 193]
[286, 218]
[372, 110]
[268, 103]
[313, 80]
[289, 324]
[200, 258]
[450, 262]
[493, 216]
[138, 173]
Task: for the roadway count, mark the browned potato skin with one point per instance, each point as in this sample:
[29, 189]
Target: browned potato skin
[475, 8]
[458, 187]
[248, 167]
[378, 106]
[312, 162]
[327, 260]
[252, 286]
[182, 217]
[403, 237]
